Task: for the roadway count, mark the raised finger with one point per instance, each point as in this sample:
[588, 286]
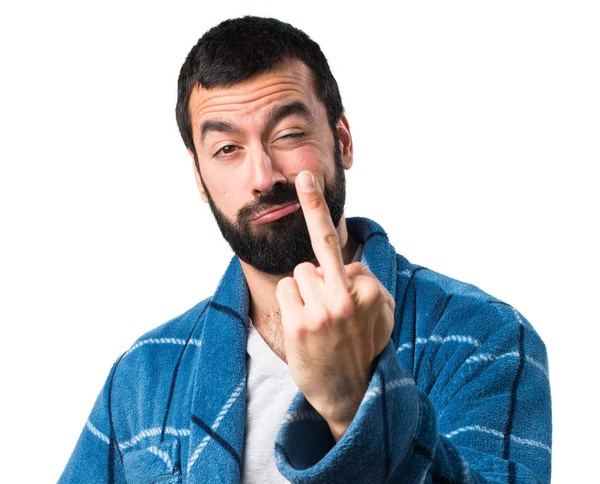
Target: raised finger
[323, 234]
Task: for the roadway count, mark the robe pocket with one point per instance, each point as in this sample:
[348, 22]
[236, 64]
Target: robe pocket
[159, 464]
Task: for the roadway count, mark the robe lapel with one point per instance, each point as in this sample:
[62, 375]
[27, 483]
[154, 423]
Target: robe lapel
[219, 399]
[378, 254]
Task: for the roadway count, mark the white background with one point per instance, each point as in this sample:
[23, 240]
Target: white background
[476, 128]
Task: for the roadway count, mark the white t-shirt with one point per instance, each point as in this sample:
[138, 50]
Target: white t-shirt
[269, 393]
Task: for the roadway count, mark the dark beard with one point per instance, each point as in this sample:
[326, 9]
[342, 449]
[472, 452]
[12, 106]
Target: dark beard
[278, 247]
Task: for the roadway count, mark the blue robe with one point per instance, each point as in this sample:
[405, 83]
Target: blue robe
[460, 394]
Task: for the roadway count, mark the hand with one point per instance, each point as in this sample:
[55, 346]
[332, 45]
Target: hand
[336, 319]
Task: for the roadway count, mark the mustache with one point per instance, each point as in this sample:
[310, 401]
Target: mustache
[280, 194]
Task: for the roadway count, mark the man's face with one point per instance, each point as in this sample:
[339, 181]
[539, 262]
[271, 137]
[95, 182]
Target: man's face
[252, 140]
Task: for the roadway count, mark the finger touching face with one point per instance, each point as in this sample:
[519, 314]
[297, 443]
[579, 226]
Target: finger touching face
[323, 234]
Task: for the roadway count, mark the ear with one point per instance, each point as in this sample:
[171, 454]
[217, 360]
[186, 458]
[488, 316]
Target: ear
[347, 148]
[197, 176]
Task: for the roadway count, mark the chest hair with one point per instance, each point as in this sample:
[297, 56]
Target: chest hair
[270, 330]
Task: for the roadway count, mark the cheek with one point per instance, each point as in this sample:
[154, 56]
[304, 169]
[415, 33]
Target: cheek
[305, 158]
[225, 189]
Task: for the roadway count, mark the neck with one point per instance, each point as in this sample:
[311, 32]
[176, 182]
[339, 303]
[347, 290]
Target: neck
[264, 309]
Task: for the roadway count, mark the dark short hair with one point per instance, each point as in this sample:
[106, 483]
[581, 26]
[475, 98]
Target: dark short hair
[239, 49]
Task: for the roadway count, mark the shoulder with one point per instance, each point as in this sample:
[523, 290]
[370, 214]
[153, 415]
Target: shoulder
[444, 305]
[163, 343]
[147, 368]
[445, 327]
[425, 279]
[179, 331]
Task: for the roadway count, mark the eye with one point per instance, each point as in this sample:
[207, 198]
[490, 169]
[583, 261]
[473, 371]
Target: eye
[292, 135]
[226, 150]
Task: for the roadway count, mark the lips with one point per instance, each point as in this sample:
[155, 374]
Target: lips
[275, 213]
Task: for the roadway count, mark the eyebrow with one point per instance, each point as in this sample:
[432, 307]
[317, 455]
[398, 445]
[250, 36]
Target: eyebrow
[273, 117]
[218, 126]
[291, 109]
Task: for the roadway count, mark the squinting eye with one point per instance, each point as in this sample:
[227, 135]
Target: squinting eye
[293, 135]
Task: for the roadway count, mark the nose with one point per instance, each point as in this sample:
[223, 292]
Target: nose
[264, 173]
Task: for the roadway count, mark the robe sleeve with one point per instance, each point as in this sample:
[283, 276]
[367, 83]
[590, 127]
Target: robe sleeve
[481, 413]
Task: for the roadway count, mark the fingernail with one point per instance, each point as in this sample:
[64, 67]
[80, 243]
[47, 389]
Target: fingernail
[306, 181]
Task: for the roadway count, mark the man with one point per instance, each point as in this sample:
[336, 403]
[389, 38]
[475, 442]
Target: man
[323, 355]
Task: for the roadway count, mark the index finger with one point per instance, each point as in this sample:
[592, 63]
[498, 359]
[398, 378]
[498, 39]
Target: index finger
[323, 234]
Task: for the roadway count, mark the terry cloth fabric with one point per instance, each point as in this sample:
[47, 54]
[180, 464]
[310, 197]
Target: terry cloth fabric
[459, 394]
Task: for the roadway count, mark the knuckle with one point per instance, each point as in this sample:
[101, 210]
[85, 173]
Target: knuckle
[392, 305]
[344, 308]
[354, 269]
[390, 299]
[283, 282]
[300, 332]
[304, 269]
[315, 202]
[371, 290]
[331, 240]
[320, 319]
[283, 285]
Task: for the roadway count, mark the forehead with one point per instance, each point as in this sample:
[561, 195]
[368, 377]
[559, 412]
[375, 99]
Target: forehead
[288, 82]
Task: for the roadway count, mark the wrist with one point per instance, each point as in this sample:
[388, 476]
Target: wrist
[339, 412]
[338, 429]
[340, 416]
